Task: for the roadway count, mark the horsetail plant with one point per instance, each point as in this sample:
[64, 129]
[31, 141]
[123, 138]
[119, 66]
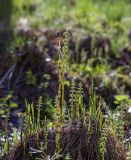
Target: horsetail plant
[72, 100]
[7, 144]
[103, 141]
[129, 153]
[38, 124]
[58, 99]
[39, 104]
[67, 157]
[62, 65]
[45, 127]
[79, 98]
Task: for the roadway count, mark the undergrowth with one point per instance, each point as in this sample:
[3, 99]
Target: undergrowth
[76, 132]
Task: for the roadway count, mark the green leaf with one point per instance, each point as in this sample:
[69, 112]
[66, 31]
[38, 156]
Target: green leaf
[13, 105]
[2, 112]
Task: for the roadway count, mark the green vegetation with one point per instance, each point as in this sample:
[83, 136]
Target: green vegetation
[65, 80]
[76, 113]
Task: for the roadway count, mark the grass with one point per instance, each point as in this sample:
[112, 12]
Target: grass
[91, 16]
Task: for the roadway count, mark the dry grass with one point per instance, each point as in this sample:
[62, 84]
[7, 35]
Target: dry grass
[75, 140]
